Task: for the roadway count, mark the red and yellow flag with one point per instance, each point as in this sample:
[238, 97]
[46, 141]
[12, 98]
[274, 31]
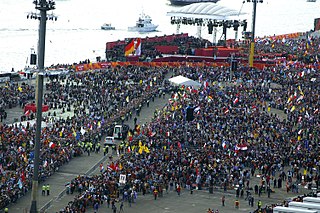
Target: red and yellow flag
[129, 48]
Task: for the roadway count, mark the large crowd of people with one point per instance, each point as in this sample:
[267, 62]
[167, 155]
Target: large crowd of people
[97, 100]
[261, 123]
[256, 121]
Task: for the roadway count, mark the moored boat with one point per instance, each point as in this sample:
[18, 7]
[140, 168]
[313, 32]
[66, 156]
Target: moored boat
[106, 26]
[144, 24]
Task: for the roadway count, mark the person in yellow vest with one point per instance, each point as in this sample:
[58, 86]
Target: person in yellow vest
[44, 190]
[259, 204]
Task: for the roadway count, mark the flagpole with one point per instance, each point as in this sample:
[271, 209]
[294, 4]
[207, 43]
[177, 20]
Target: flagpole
[43, 6]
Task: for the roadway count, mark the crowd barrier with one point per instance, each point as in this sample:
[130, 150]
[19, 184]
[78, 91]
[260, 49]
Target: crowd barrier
[104, 65]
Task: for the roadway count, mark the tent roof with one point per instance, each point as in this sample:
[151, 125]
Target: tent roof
[206, 10]
[180, 80]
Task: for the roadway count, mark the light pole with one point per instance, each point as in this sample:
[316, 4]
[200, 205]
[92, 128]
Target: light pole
[251, 54]
[43, 6]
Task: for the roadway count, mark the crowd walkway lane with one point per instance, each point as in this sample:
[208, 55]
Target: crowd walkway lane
[146, 115]
[82, 165]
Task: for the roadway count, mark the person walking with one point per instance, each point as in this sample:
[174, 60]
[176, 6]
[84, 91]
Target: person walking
[96, 207]
[237, 204]
[155, 194]
[223, 199]
[121, 207]
[48, 189]
[44, 189]
[252, 201]
[179, 189]
[259, 204]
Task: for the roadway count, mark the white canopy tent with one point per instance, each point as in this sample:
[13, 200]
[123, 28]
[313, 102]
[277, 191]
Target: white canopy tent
[206, 11]
[181, 80]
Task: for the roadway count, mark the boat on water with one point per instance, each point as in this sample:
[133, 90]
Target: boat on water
[311, 0]
[144, 24]
[187, 2]
[106, 26]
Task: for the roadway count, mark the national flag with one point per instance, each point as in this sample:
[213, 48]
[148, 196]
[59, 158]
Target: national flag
[226, 111]
[74, 132]
[23, 176]
[292, 109]
[300, 98]
[137, 46]
[301, 93]
[27, 113]
[1, 169]
[236, 100]
[197, 109]
[309, 42]
[112, 166]
[140, 150]
[45, 163]
[146, 149]
[129, 48]
[205, 84]
[52, 145]
[224, 145]
[101, 168]
[242, 147]
[209, 98]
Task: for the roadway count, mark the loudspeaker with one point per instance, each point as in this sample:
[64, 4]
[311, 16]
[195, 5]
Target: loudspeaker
[33, 59]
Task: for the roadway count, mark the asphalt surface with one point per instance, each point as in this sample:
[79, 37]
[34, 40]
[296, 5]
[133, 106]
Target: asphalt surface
[199, 201]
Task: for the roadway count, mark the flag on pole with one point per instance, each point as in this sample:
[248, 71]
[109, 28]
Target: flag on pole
[27, 113]
[236, 100]
[129, 48]
[137, 47]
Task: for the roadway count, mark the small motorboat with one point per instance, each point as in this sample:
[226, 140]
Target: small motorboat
[106, 26]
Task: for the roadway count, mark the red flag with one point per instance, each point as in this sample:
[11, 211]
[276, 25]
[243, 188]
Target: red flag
[23, 176]
[129, 48]
[27, 113]
[226, 111]
[112, 167]
[236, 100]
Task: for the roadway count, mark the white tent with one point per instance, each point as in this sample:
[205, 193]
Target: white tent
[180, 80]
[206, 10]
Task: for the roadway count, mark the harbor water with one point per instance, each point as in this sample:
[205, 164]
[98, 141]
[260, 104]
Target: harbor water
[76, 35]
